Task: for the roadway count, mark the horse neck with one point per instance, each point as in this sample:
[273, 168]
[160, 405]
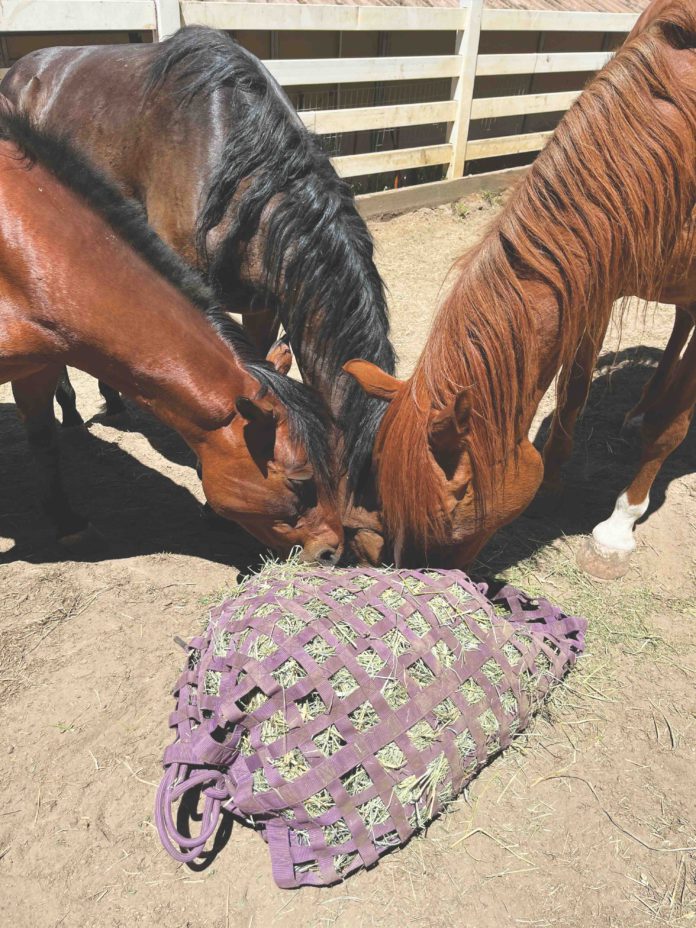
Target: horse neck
[107, 312]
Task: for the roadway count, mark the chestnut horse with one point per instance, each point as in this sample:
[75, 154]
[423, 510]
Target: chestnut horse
[198, 131]
[604, 212]
[86, 282]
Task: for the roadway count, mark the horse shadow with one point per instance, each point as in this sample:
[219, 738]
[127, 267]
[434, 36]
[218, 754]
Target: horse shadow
[165, 441]
[135, 509]
[604, 460]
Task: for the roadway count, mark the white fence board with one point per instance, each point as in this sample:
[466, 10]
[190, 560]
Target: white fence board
[506, 145]
[284, 16]
[556, 21]
[77, 15]
[378, 117]
[356, 70]
[399, 159]
[523, 104]
[541, 63]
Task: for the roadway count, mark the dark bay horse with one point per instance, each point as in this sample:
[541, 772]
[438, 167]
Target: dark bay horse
[606, 211]
[199, 132]
[84, 281]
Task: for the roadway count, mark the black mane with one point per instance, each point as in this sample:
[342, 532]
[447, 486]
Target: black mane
[307, 420]
[318, 259]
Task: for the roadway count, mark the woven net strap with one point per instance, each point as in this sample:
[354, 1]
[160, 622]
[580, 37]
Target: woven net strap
[178, 780]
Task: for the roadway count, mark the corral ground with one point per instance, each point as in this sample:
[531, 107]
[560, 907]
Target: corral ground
[589, 820]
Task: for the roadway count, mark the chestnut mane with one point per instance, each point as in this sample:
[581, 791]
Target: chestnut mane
[597, 217]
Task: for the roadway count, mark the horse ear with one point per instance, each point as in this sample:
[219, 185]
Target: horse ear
[280, 355]
[254, 411]
[450, 426]
[373, 380]
[7, 108]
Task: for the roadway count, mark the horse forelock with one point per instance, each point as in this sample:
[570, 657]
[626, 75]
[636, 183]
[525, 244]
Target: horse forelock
[597, 216]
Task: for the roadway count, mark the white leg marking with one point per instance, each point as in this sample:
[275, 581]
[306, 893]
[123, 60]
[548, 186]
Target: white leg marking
[616, 533]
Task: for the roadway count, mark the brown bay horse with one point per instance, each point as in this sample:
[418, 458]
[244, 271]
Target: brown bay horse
[85, 282]
[198, 131]
[606, 211]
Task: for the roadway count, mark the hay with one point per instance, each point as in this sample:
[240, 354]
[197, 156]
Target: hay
[319, 649]
[373, 813]
[493, 672]
[289, 673]
[395, 694]
[444, 612]
[329, 741]
[364, 717]
[466, 638]
[291, 765]
[337, 834]
[446, 713]
[471, 691]
[444, 654]
[343, 683]
[421, 673]
[391, 757]
[211, 687]
[370, 661]
[319, 804]
[274, 728]
[396, 642]
[356, 781]
[418, 624]
[465, 743]
[252, 701]
[369, 615]
[290, 623]
[422, 735]
[311, 706]
[262, 647]
[345, 633]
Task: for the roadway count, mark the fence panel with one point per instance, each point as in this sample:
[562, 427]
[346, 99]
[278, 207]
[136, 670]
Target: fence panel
[466, 23]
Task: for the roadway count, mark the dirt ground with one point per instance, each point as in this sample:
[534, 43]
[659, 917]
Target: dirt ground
[589, 820]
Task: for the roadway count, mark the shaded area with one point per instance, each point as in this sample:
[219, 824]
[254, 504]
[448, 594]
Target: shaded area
[603, 462]
[136, 509]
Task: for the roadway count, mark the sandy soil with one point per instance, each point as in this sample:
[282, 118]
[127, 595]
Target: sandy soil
[588, 821]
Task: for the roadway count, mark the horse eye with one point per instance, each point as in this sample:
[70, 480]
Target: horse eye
[306, 493]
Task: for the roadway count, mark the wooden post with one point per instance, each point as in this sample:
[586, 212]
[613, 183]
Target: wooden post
[168, 18]
[467, 47]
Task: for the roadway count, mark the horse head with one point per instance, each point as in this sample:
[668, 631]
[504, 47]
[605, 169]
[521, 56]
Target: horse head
[260, 473]
[438, 504]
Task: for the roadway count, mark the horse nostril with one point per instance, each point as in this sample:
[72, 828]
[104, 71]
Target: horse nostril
[327, 556]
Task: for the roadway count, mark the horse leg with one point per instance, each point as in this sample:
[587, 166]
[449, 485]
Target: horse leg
[65, 397]
[575, 386]
[683, 324]
[114, 403]
[34, 398]
[607, 554]
[263, 326]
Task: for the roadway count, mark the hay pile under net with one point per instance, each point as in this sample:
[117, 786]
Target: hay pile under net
[341, 710]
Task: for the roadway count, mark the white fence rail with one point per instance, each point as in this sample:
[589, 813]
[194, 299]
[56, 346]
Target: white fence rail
[462, 67]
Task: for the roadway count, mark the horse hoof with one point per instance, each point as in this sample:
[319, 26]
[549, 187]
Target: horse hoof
[86, 538]
[72, 420]
[603, 563]
[115, 412]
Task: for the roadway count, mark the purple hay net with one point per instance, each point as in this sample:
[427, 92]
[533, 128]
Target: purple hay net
[342, 710]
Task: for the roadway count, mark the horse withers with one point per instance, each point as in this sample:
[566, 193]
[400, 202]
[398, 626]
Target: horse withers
[86, 282]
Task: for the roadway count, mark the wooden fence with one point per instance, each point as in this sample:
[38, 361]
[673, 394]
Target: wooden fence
[462, 67]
